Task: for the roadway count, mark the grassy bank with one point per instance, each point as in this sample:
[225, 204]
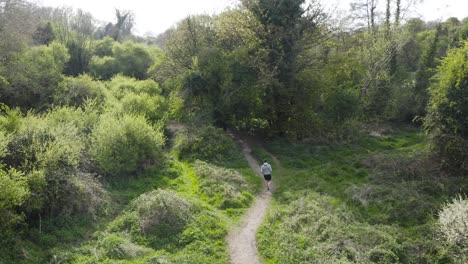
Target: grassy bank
[372, 201]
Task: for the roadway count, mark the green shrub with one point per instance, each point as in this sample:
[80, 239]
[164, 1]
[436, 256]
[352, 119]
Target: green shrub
[11, 119]
[133, 59]
[130, 96]
[4, 140]
[33, 76]
[15, 191]
[125, 145]
[159, 216]
[103, 68]
[224, 188]
[446, 122]
[207, 143]
[51, 152]
[76, 90]
[121, 85]
[84, 118]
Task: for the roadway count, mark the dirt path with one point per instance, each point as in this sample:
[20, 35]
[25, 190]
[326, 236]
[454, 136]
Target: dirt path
[241, 240]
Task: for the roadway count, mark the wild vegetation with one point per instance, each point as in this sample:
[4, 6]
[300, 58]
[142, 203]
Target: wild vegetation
[114, 147]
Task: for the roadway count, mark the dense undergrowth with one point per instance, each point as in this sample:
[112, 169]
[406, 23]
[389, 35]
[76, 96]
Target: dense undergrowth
[373, 201]
[176, 212]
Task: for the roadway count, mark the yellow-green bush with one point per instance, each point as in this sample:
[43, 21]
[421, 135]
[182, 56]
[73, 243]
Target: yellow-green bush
[224, 188]
[157, 217]
[124, 145]
[206, 143]
[446, 122]
[76, 90]
[14, 192]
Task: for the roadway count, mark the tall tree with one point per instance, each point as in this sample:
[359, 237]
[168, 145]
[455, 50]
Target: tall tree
[284, 25]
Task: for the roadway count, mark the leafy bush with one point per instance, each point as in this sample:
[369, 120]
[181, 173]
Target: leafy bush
[121, 85]
[103, 68]
[453, 226]
[76, 90]
[124, 145]
[15, 191]
[51, 152]
[130, 96]
[160, 216]
[446, 122]
[133, 59]
[207, 143]
[33, 76]
[224, 188]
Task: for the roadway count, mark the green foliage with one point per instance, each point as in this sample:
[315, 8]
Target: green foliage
[15, 192]
[103, 68]
[447, 123]
[51, 152]
[206, 143]
[125, 145]
[157, 215]
[130, 59]
[76, 90]
[33, 76]
[223, 188]
[104, 47]
[131, 96]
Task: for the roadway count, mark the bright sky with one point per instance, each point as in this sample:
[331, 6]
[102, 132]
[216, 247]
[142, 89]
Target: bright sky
[158, 15]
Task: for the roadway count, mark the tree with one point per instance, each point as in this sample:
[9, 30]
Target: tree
[32, 77]
[284, 25]
[447, 119]
[44, 34]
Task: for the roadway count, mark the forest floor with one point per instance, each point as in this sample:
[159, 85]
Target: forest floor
[242, 238]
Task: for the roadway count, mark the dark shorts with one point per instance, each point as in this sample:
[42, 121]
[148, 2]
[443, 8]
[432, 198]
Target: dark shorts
[267, 177]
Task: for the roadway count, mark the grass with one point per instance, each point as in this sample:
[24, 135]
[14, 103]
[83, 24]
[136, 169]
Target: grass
[331, 200]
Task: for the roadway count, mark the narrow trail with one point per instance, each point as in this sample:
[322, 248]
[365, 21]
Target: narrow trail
[241, 240]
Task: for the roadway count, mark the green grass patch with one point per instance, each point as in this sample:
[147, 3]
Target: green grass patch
[369, 201]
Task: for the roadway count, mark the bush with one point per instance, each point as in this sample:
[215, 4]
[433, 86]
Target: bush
[446, 122]
[207, 143]
[160, 216]
[51, 152]
[124, 145]
[15, 192]
[121, 85]
[76, 90]
[224, 188]
[103, 68]
[130, 96]
[453, 226]
[33, 76]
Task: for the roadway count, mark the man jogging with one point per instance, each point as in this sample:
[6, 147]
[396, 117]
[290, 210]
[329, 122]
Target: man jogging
[266, 171]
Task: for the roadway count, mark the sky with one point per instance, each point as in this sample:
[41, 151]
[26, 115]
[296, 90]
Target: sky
[155, 16]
